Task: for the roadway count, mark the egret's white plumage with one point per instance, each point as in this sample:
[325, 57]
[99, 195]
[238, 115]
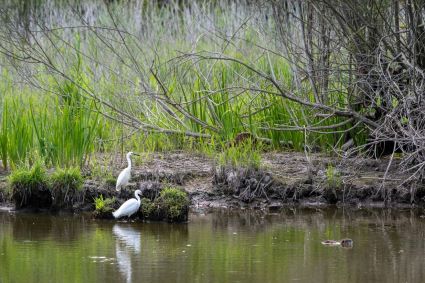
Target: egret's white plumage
[125, 174]
[129, 207]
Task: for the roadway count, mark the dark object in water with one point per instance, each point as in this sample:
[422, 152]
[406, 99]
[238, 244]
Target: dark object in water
[345, 243]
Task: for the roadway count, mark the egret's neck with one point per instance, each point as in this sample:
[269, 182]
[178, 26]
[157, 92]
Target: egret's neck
[129, 161]
[137, 197]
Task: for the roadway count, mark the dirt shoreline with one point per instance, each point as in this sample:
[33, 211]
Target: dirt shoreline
[284, 179]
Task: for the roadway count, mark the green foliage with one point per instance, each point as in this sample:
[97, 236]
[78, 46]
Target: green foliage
[243, 155]
[16, 136]
[333, 177]
[24, 178]
[68, 138]
[66, 185]
[103, 205]
[26, 183]
[65, 128]
[173, 203]
[67, 179]
[147, 207]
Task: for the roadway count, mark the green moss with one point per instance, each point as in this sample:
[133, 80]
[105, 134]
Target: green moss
[30, 186]
[147, 207]
[173, 203]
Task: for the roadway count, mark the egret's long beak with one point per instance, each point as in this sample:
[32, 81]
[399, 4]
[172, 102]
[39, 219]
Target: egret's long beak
[136, 154]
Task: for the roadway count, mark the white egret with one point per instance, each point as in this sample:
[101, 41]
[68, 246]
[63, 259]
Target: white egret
[129, 207]
[125, 174]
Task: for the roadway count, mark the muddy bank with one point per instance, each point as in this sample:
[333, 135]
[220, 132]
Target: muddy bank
[284, 179]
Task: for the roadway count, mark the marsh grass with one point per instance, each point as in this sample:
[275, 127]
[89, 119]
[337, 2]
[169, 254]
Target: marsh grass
[30, 187]
[58, 123]
[66, 186]
[333, 177]
[245, 154]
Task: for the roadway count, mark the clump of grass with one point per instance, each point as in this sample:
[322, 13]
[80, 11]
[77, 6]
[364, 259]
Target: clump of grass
[30, 187]
[243, 155]
[69, 178]
[173, 204]
[66, 185]
[333, 177]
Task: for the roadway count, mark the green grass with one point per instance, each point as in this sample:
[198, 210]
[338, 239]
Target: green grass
[245, 154]
[66, 186]
[61, 124]
[28, 178]
[33, 186]
[333, 177]
[68, 178]
[25, 182]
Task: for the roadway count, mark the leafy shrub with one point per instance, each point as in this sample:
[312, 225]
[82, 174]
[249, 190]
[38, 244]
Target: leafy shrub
[103, 205]
[147, 207]
[173, 204]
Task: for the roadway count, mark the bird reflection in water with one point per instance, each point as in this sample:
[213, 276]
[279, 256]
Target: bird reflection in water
[128, 243]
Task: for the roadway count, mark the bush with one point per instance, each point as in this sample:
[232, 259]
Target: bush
[66, 185]
[147, 208]
[103, 207]
[30, 187]
[173, 204]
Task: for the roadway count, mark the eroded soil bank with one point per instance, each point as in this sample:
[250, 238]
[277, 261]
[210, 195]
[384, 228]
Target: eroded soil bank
[284, 179]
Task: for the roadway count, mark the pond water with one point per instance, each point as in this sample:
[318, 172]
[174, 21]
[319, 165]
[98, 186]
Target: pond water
[222, 246]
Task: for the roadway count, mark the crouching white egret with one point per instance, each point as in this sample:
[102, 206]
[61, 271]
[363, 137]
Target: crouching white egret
[125, 174]
[129, 207]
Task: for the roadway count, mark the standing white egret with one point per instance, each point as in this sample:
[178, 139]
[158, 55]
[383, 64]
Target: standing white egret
[125, 174]
[129, 207]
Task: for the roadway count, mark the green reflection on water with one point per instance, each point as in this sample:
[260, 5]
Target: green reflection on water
[218, 247]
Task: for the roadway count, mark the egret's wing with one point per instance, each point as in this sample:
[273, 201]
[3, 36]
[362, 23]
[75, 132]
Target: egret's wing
[123, 178]
[127, 208]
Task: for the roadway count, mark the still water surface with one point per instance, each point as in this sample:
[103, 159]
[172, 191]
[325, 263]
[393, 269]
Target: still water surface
[221, 246]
